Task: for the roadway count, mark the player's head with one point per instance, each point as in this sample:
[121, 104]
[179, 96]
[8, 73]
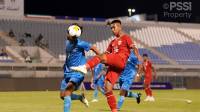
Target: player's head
[69, 37]
[116, 27]
[145, 56]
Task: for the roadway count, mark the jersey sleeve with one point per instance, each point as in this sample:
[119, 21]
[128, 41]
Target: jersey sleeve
[85, 45]
[109, 49]
[130, 42]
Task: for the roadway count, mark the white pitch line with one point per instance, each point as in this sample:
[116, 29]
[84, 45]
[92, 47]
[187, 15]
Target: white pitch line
[177, 99]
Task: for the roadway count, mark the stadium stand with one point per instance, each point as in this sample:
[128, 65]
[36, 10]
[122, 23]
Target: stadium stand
[162, 38]
[195, 33]
[167, 44]
[171, 43]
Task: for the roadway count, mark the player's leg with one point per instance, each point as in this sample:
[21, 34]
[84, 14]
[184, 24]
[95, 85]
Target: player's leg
[66, 96]
[121, 94]
[77, 79]
[125, 84]
[137, 96]
[148, 91]
[100, 85]
[95, 93]
[109, 59]
[110, 79]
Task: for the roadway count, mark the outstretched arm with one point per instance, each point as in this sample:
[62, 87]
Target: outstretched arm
[95, 50]
[154, 72]
[136, 52]
[139, 73]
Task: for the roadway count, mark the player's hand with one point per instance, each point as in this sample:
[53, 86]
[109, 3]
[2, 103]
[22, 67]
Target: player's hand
[92, 85]
[137, 78]
[140, 58]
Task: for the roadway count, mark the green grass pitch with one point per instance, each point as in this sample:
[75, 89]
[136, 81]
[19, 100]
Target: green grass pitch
[48, 101]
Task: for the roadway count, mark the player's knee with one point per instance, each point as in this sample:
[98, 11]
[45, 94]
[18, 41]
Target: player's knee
[103, 58]
[70, 87]
[108, 88]
[123, 93]
[146, 86]
[62, 97]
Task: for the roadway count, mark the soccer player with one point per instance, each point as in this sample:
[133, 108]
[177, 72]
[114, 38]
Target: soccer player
[148, 69]
[126, 78]
[98, 76]
[75, 55]
[115, 58]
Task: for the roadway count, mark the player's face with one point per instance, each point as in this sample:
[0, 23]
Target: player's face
[116, 28]
[70, 37]
[145, 58]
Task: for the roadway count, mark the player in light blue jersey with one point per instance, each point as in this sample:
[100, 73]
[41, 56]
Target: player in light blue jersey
[126, 78]
[97, 82]
[75, 56]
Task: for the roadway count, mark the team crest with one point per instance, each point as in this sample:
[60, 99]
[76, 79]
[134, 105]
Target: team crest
[119, 42]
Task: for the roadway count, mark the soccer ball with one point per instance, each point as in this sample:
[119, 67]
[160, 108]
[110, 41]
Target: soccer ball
[74, 30]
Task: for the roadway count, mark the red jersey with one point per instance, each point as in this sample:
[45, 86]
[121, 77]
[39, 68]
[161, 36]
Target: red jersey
[147, 68]
[121, 46]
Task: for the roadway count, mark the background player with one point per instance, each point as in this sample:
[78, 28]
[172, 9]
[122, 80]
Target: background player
[148, 69]
[115, 57]
[97, 81]
[75, 56]
[126, 79]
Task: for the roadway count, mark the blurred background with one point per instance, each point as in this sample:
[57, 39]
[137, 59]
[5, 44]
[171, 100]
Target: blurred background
[32, 35]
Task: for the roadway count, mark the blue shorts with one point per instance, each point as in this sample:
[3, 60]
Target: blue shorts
[126, 79]
[99, 82]
[74, 77]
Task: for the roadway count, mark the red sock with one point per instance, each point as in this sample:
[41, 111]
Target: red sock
[146, 91]
[93, 62]
[111, 101]
[149, 91]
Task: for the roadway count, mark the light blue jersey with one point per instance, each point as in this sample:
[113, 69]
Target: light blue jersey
[75, 53]
[128, 74]
[75, 56]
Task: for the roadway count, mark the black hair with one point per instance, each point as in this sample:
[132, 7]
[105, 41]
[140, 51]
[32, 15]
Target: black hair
[145, 55]
[114, 21]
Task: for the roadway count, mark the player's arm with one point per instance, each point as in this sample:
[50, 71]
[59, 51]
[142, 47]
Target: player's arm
[95, 50]
[136, 52]
[92, 79]
[109, 49]
[132, 45]
[87, 46]
[139, 73]
[102, 73]
[154, 72]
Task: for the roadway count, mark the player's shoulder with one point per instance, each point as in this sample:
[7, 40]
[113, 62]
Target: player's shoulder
[149, 61]
[80, 42]
[126, 36]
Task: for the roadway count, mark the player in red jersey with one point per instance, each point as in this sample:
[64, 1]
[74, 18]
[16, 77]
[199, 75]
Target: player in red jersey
[115, 58]
[148, 69]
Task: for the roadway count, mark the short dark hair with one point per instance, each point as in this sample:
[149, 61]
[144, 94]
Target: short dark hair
[145, 55]
[114, 21]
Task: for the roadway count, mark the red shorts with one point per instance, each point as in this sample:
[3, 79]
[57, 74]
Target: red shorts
[147, 80]
[112, 75]
[116, 60]
[116, 63]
